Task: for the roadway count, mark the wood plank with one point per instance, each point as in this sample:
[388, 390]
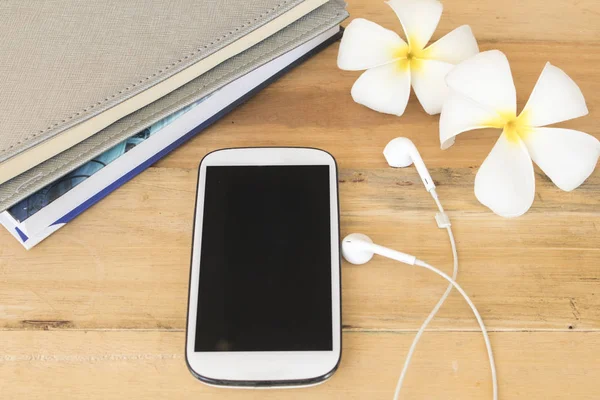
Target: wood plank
[506, 21]
[141, 365]
[128, 258]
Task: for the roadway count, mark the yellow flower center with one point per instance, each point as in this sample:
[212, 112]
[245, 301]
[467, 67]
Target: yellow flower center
[408, 57]
[514, 127]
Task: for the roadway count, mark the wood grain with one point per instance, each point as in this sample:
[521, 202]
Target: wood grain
[448, 365]
[98, 310]
[504, 21]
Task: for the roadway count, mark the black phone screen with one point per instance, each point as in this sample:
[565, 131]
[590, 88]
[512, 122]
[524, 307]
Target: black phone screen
[265, 265]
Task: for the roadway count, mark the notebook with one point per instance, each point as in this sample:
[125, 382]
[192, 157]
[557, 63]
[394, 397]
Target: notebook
[71, 68]
[25, 184]
[43, 213]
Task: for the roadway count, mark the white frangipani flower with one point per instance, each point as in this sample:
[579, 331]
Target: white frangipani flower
[483, 95]
[392, 64]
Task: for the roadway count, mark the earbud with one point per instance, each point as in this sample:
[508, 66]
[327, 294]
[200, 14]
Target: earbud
[355, 249]
[402, 152]
[358, 249]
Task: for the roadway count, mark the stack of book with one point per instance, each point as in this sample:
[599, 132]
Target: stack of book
[93, 93]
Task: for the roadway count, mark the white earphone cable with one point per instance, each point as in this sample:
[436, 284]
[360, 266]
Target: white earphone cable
[437, 307]
[439, 304]
[486, 338]
[425, 324]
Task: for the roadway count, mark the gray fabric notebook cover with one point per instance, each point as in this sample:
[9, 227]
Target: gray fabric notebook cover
[299, 32]
[65, 61]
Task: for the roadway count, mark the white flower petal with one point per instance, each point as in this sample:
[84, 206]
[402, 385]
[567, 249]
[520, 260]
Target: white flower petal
[419, 18]
[429, 83]
[455, 47]
[505, 182]
[486, 79]
[568, 157]
[461, 114]
[385, 89]
[366, 45]
[555, 98]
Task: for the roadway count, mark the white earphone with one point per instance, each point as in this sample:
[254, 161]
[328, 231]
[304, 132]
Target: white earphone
[402, 152]
[359, 249]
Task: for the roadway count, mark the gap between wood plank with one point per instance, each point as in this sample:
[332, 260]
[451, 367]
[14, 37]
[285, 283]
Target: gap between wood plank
[344, 330]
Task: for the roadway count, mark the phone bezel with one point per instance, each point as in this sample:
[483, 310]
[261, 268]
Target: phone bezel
[265, 369]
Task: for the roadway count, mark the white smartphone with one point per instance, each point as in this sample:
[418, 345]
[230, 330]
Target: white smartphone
[264, 297]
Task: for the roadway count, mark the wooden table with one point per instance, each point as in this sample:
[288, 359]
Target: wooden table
[98, 310]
